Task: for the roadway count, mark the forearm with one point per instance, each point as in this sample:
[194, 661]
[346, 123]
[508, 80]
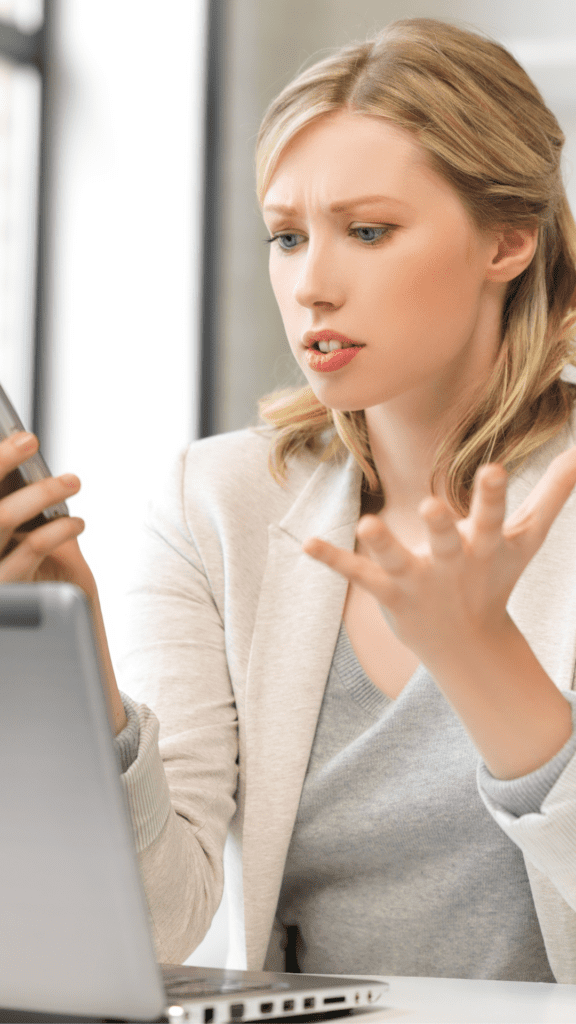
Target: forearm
[515, 715]
[116, 711]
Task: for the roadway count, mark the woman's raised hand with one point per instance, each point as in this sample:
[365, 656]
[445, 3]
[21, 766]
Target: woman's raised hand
[458, 587]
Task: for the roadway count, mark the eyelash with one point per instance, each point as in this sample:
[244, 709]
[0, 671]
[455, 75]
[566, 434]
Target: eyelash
[385, 228]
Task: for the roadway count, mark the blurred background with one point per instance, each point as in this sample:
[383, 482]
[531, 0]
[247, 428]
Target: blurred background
[136, 313]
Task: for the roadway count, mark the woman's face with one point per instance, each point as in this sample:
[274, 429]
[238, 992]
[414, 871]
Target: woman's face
[403, 274]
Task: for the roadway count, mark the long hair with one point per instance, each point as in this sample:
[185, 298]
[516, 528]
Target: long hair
[489, 134]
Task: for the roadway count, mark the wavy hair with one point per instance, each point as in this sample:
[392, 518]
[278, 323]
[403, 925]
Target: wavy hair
[489, 134]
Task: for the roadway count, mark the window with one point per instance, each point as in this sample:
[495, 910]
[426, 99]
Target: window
[21, 79]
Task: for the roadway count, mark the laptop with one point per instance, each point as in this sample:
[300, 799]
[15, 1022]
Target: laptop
[75, 935]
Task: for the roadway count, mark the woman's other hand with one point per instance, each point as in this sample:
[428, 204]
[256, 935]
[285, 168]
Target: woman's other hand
[49, 552]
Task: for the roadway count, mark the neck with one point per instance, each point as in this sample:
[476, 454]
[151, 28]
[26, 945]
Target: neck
[403, 455]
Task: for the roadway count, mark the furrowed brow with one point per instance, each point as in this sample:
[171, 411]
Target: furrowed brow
[339, 207]
[351, 204]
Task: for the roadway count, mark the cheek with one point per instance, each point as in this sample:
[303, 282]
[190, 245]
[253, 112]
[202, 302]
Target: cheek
[438, 277]
[279, 282]
[282, 281]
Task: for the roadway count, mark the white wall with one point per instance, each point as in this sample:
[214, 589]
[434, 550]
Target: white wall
[124, 264]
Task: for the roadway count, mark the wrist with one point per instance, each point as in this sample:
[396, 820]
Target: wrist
[514, 713]
[116, 712]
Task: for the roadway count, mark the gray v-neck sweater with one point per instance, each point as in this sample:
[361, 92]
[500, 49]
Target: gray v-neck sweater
[395, 865]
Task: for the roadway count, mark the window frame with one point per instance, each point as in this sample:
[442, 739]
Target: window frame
[30, 49]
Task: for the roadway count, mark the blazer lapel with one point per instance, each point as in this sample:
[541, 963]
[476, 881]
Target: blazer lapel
[297, 623]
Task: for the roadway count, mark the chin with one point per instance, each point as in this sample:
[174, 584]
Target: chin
[348, 403]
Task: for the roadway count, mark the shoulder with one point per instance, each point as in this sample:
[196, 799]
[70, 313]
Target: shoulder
[228, 451]
[227, 474]
[240, 458]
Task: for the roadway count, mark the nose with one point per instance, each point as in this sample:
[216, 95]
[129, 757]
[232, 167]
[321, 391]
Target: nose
[319, 282]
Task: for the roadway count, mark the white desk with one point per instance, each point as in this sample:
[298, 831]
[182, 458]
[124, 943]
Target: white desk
[453, 1001]
[459, 1001]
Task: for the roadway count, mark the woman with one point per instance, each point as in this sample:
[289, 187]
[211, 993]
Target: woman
[362, 667]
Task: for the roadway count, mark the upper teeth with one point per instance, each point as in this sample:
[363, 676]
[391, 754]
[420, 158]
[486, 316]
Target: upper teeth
[329, 346]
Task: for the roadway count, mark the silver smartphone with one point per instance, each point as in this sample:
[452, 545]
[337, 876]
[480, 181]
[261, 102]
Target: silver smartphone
[28, 472]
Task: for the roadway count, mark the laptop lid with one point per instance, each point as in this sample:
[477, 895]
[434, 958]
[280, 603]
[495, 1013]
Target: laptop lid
[75, 934]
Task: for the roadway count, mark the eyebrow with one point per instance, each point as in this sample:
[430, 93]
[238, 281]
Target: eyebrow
[339, 207]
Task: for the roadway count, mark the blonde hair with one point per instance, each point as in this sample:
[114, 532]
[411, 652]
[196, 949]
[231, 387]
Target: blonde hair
[488, 132]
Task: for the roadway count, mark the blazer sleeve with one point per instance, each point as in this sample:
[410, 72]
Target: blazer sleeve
[181, 787]
[546, 833]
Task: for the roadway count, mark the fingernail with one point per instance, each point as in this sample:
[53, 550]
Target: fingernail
[24, 441]
[69, 480]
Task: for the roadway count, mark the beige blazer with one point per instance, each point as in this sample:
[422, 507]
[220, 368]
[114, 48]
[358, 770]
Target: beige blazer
[230, 635]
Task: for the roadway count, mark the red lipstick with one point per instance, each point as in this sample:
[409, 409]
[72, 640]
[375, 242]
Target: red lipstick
[325, 361]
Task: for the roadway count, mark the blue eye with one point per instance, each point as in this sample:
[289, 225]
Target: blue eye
[376, 232]
[284, 238]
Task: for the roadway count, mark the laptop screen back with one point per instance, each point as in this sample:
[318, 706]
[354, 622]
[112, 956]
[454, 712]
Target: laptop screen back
[75, 935]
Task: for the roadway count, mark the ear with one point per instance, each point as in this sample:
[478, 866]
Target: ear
[515, 249]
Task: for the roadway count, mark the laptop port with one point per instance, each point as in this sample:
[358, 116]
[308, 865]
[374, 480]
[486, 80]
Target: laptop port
[334, 999]
[208, 1015]
[236, 1011]
[266, 1007]
[309, 1003]
[288, 1004]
